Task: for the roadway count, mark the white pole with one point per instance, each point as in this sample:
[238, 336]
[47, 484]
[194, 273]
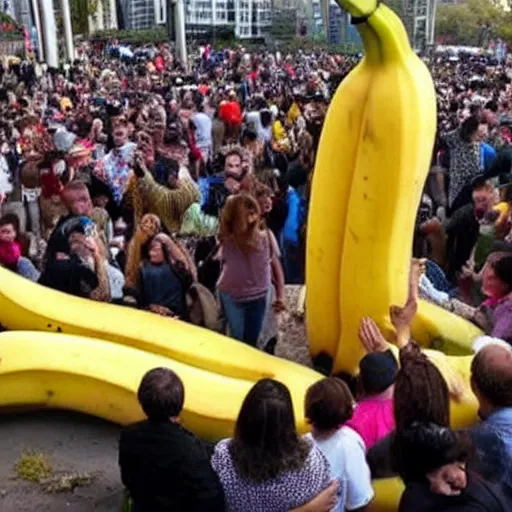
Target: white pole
[113, 15]
[50, 33]
[179, 27]
[68, 30]
[39, 28]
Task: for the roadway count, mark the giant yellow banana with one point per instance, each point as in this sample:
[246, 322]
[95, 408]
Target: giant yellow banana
[101, 378]
[29, 306]
[333, 175]
[363, 207]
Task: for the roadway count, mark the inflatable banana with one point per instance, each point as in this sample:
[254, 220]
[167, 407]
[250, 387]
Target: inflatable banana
[46, 370]
[387, 495]
[372, 162]
[25, 305]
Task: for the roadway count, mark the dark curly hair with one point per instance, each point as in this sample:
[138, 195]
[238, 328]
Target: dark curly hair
[266, 443]
[421, 393]
[427, 447]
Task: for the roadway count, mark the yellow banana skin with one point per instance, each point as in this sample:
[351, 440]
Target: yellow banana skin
[393, 156]
[29, 306]
[329, 207]
[379, 198]
[45, 370]
[437, 328]
[364, 198]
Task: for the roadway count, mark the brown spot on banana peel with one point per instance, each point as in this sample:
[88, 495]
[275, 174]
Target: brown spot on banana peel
[368, 133]
[354, 235]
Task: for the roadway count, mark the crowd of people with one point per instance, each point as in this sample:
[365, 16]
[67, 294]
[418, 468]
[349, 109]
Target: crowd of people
[185, 193]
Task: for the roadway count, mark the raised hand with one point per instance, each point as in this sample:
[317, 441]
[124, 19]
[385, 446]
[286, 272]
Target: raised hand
[371, 337]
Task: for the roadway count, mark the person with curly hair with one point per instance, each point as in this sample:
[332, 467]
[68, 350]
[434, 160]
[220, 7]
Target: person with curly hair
[164, 278]
[438, 478]
[148, 227]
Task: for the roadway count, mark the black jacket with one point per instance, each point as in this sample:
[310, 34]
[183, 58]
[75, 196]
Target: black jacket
[167, 469]
[479, 496]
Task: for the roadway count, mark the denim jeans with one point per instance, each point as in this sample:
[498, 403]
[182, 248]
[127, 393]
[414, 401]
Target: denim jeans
[27, 269]
[34, 215]
[245, 318]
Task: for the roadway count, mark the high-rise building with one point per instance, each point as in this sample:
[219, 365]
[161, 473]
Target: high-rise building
[138, 14]
[419, 19]
[246, 18]
[18, 10]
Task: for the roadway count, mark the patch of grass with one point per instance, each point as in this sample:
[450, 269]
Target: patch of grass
[33, 467]
[36, 467]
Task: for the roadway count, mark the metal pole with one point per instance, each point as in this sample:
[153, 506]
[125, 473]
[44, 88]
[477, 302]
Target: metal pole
[68, 30]
[39, 28]
[181, 42]
[50, 33]
[432, 27]
[171, 24]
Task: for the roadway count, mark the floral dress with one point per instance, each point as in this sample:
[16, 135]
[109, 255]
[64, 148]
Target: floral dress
[286, 492]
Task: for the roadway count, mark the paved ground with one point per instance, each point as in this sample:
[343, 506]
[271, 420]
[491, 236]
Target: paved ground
[81, 444]
[74, 443]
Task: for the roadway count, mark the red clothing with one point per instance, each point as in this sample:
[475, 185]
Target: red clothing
[159, 63]
[192, 144]
[289, 69]
[230, 112]
[50, 185]
[10, 254]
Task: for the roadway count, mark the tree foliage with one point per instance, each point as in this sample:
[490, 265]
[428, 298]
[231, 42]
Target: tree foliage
[473, 22]
[80, 16]
[80, 12]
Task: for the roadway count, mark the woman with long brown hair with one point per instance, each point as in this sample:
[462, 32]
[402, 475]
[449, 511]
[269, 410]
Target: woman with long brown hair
[246, 253]
[267, 465]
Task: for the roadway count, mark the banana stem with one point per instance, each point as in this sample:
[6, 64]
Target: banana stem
[388, 40]
[372, 47]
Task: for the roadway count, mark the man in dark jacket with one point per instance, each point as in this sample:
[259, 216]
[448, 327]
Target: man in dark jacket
[165, 467]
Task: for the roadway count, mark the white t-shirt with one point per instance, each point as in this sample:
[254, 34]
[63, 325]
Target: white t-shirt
[346, 453]
[203, 124]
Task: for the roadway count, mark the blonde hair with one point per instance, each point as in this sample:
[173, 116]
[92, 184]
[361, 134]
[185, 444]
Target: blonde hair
[134, 252]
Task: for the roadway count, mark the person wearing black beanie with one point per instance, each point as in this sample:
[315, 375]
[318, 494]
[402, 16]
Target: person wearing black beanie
[373, 416]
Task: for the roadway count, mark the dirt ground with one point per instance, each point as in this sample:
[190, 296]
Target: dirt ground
[76, 443]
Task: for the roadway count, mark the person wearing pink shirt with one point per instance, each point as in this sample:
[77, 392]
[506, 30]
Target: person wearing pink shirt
[373, 416]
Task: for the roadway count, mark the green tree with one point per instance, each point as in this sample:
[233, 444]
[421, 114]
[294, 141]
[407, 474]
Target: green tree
[80, 12]
[470, 22]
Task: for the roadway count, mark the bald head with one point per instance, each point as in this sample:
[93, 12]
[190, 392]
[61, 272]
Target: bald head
[491, 373]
